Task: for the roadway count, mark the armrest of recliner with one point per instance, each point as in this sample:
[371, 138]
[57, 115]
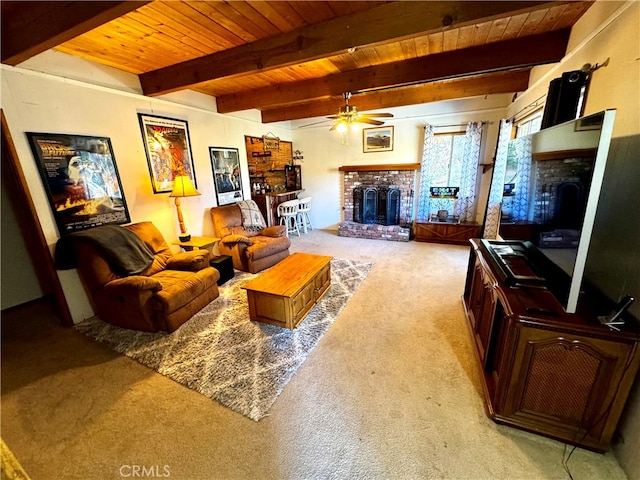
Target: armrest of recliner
[235, 238]
[132, 284]
[274, 231]
[189, 261]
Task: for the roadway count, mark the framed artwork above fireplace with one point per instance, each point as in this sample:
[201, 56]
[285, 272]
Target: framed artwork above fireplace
[379, 139]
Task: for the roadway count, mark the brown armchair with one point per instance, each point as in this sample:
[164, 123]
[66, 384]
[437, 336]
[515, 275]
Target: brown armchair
[161, 297]
[251, 250]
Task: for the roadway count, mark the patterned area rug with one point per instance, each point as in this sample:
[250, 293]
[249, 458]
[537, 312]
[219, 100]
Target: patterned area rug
[243, 365]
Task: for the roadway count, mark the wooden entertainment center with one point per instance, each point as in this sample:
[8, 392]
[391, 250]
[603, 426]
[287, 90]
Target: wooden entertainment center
[565, 376]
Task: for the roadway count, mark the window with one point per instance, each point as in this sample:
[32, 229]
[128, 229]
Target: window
[448, 157]
[529, 125]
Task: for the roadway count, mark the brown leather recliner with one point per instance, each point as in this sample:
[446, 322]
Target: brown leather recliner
[160, 298]
[251, 251]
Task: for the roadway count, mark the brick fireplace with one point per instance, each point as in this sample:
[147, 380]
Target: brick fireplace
[398, 176]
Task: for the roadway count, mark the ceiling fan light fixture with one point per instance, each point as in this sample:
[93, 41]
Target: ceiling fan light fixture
[350, 120]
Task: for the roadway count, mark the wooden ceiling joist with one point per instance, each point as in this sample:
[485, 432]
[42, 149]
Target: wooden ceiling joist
[395, 20]
[501, 82]
[508, 54]
[30, 28]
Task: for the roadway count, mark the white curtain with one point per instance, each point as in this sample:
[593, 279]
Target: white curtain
[523, 178]
[428, 152]
[466, 205]
[494, 204]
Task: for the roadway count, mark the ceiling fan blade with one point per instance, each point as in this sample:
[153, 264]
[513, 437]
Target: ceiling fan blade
[315, 123]
[335, 125]
[370, 121]
[383, 115]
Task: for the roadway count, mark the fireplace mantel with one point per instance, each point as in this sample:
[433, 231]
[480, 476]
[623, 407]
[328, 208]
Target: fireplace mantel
[372, 168]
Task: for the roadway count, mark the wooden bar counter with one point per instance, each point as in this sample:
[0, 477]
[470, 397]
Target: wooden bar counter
[268, 203]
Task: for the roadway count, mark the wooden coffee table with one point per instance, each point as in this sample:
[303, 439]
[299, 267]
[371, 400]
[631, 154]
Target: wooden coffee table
[284, 294]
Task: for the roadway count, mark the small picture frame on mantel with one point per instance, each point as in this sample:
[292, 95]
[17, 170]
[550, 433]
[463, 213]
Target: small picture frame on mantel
[378, 139]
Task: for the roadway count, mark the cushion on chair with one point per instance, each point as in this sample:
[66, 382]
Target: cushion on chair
[192, 261]
[180, 287]
[266, 246]
[275, 231]
[251, 217]
[150, 235]
[236, 238]
[226, 220]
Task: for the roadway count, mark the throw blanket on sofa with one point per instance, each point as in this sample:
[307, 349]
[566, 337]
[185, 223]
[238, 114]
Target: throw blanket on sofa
[125, 252]
[251, 217]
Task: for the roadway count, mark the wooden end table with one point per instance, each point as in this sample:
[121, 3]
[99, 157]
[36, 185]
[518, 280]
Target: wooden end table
[284, 294]
[204, 243]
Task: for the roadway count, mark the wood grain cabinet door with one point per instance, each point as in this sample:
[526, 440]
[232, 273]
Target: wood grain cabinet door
[566, 385]
[302, 302]
[322, 281]
[475, 296]
[484, 308]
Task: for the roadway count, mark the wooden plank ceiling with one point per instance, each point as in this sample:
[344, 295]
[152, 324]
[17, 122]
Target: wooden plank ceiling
[296, 59]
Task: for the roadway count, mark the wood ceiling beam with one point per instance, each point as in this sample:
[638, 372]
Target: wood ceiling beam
[492, 83]
[30, 28]
[396, 20]
[508, 54]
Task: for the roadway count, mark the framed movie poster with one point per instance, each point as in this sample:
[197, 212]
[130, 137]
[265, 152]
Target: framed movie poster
[81, 179]
[168, 149]
[225, 163]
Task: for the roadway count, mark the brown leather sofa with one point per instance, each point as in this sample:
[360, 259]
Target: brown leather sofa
[251, 251]
[161, 297]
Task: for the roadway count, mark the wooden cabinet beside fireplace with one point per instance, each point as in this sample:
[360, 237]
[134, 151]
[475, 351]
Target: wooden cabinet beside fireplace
[564, 376]
[444, 232]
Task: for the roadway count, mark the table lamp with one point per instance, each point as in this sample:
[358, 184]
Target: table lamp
[182, 187]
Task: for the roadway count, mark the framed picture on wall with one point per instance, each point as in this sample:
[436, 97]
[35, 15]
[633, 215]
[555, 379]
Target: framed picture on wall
[168, 149]
[379, 139]
[225, 163]
[81, 179]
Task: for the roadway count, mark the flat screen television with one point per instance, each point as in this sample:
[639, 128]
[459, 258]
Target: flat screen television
[554, 180]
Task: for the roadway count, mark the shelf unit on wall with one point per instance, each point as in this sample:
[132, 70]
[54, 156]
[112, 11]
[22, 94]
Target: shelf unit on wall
[268, 166]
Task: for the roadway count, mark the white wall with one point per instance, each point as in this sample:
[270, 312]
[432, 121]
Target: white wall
[19, 282]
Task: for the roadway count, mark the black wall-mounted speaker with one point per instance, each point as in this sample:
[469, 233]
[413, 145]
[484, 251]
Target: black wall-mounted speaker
[563, 98]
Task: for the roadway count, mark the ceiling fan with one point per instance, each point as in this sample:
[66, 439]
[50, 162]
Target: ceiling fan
[348, 117]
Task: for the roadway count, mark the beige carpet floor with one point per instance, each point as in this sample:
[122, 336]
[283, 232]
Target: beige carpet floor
[390, 392]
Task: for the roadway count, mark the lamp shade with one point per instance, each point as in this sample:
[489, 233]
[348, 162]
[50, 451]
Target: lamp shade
[182, 187]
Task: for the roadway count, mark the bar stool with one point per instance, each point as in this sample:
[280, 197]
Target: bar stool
[288, 213]
[304, 221]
